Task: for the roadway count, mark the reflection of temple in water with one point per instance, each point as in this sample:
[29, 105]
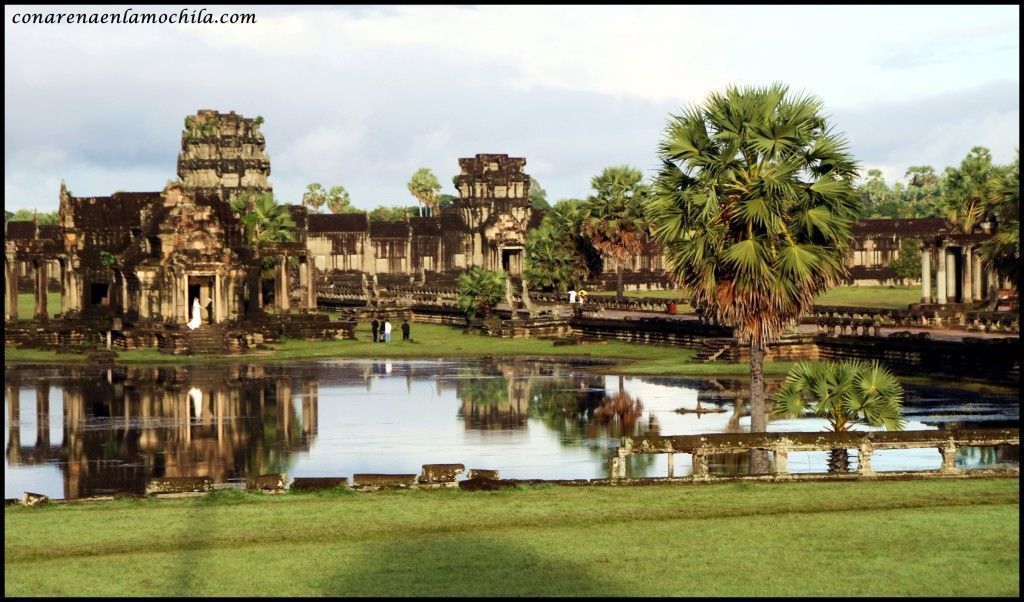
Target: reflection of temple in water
[124, 426]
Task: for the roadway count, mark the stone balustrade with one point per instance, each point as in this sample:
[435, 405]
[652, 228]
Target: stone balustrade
[836, 320]
[781, 444]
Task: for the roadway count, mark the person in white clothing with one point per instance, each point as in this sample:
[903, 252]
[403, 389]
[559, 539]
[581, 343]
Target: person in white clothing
[387, 331]
[572, 295]
[196, 319]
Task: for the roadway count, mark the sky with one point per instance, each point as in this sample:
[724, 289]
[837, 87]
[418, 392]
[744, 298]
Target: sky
[364, 96]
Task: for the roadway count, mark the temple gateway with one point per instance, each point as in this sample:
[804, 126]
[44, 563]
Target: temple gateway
[146, 259]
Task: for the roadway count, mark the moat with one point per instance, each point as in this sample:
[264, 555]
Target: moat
[84, 431]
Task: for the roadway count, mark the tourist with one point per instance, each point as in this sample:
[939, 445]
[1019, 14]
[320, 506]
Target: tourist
[196, 319]
[387, 330]
[405, 330]
[572, 295]
[374, 326]
[583, 296]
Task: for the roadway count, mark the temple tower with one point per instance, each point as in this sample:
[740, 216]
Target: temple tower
[223, 154]
[494, 203]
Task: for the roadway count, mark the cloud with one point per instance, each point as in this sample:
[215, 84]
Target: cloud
[365, 96]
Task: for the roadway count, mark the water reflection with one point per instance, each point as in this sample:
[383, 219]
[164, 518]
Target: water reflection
[74, 431]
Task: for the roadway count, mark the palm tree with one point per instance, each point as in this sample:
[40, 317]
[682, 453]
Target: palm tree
[754, 207]
[1002, 250]
[481, 290]
[264, 221]
[424, 186]
[314, 197]
[614, 219]
[845, 394]
[967, 188]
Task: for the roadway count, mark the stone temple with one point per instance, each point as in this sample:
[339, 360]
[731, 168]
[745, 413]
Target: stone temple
[131, 265]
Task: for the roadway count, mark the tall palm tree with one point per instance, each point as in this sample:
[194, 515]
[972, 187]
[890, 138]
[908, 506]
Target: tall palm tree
[845, 394]
[754, 207]
[264, 221]
[614, 219]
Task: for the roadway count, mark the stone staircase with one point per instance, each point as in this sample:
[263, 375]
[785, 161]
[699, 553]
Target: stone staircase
[711, 349]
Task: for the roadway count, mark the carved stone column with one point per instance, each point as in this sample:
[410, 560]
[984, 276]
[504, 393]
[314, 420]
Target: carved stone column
[951, 275]
[926, 275]
[39, 271]
[283, 303]
[940, 276]
[10, 288]
[968, 274]
[979, 292]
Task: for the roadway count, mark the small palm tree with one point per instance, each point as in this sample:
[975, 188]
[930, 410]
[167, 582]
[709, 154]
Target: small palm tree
[967, 188]
[264, 221]
[614, 218]
[481, 290]
[845, 394]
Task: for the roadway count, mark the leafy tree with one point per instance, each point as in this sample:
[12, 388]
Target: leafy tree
[754, 207]
[614, 218]
[967, 188]
[264, 221]
[446, 201]
[907, 265]
[1002, 250]
[481, 290]
[924, 192]
[314, 197]
[425, 187]
[558, 255]
[27, 215]
[386, 213]
[538, 196]
[880, 200]
[845, 394]
[338, 200]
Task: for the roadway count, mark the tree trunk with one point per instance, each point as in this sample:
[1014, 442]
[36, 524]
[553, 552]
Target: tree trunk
[839, 460]
[759, 461]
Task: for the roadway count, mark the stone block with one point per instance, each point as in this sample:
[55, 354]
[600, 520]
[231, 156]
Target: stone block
[267, 482]
[383, 480]
[484, 484]
[178, 485]
[441, 473]
[313, 483]
[481, 473]
[33, 499]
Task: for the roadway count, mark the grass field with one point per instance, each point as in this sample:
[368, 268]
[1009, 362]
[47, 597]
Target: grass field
[433, 341]
[27, 304]
[890, 297]
[907, 538]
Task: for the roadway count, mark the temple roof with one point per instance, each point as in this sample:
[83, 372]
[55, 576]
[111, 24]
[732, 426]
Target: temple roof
[20, 230]
[389, 229]
[119, 210]
[425, 226]
[344, 222]
[901, 227]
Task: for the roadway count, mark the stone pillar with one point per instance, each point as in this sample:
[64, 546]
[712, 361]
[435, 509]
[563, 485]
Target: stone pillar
[283, 302]
[39, 271]
[781, 460]
[43, 414]
[926, 275]
[968, 274]
[940, 276]
[671, 465]
[979, 292]
[10, 289]
[864, 458]
[951, 276]
[218, 301]
[63, 265]
[311, 283]
[700, 464]
[948, 451]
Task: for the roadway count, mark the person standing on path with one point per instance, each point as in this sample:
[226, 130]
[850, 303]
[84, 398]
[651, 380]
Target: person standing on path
[572, 295]
[387, 330]
[374, 327]
[405, 330]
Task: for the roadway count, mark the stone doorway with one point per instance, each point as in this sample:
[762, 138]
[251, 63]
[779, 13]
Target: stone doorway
[201, 287]
[512, 260]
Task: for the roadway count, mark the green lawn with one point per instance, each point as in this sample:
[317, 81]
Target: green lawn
[27, 304]
[890, 297]
[434, 341]
[907, 538]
